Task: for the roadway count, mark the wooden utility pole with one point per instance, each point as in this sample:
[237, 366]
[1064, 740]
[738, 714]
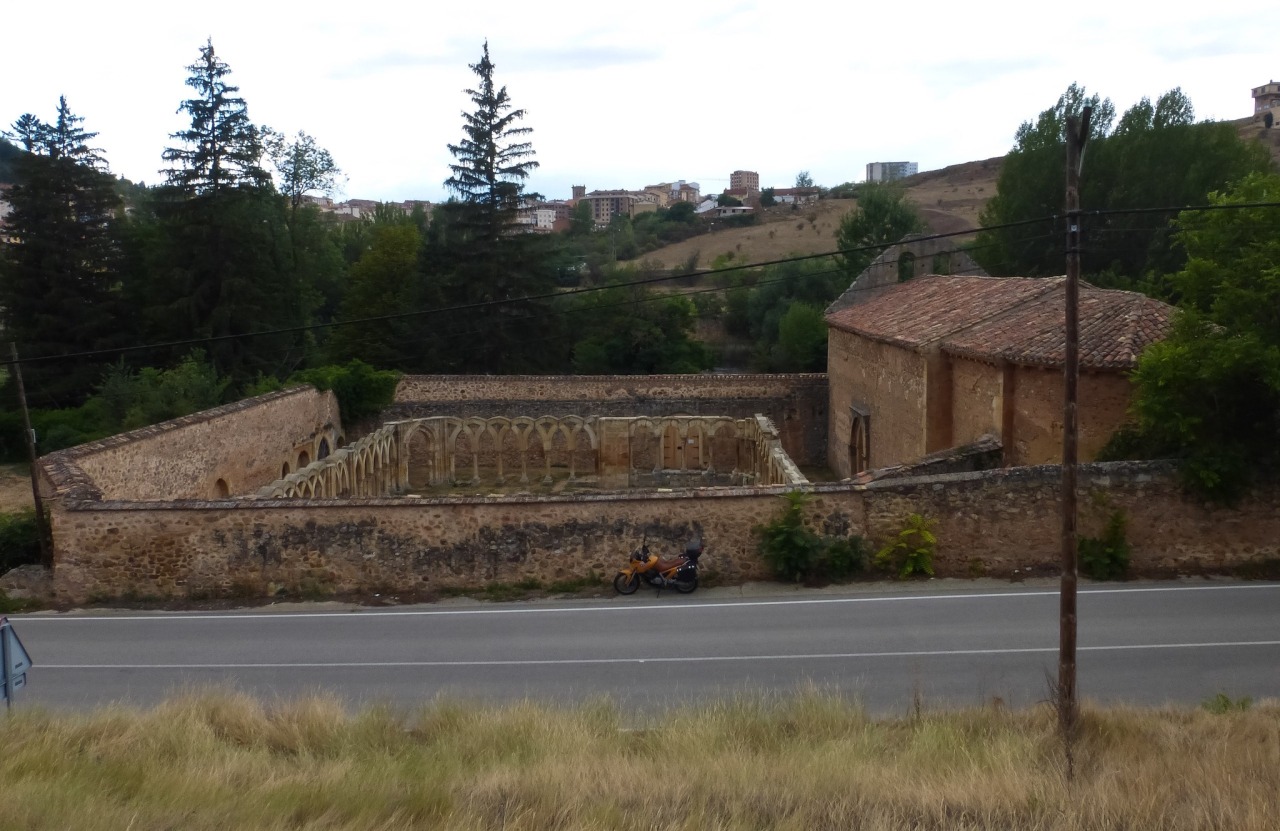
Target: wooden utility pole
[42, 529]
[1077, 134]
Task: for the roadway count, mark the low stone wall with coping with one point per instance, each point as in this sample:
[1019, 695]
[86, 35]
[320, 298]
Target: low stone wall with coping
[1001, 523]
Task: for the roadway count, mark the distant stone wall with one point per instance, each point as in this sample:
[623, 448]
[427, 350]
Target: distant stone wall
[995, 522]
[796, 404]
[243, 446]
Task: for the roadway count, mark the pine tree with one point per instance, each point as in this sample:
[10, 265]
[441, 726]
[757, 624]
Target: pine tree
[475, 255]
[222, 148]
[218, 261]
[60, 268]
[493, 159]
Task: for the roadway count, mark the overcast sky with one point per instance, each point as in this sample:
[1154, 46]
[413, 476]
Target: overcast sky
[621, 95]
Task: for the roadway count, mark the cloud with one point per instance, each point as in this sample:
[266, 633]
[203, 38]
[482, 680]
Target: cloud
[392, 61]
[577, 58]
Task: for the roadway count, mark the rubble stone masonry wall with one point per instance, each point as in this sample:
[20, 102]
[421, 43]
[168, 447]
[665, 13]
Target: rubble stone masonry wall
[996, 522]
[796, 403]
[244, 445]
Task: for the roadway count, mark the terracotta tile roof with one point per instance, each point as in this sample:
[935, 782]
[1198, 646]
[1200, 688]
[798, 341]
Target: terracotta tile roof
[1115, 326]
[927, 309]
[1015, 319]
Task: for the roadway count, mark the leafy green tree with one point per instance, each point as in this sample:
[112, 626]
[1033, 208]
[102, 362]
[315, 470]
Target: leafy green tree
[1156, 156]
[802, 339]
[1210, 393]
[882, 217]
[135, 399]
[629, 330]
[61, 265]
[221, 148]
[767, 198]
[804, 180]
[382, 283]
[724, 200]
[302, 166]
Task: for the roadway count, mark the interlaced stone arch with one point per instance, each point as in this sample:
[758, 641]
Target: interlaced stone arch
[409, 454]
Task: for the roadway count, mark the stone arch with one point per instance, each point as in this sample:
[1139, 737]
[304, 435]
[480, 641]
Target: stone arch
[221, 489]
[303, 459]
[322, 449]
[906, 266]
[284, 470]
[422, 457]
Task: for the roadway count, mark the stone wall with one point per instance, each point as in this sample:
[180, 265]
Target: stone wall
[1002, 522]
[228, 450]
[796, 404]
[1037, 420]
[887, 380]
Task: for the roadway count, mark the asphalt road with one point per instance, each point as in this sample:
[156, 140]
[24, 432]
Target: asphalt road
[949, 644]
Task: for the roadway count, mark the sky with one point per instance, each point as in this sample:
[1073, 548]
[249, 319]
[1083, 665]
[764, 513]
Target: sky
[623, 95]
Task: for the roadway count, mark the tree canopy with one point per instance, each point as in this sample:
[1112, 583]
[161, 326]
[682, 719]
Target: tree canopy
[882, 217]
[1155, 156]
[58, 274]
[1210, 393]
[493, 159]
[221, 148]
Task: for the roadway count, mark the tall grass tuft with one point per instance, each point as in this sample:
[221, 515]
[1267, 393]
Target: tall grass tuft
[210, 760]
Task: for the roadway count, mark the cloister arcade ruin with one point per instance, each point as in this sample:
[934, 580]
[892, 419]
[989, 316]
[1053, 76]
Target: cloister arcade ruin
[414, 455]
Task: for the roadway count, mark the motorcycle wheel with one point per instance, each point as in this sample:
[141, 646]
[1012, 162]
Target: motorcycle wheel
[626, 583]
[686, 586]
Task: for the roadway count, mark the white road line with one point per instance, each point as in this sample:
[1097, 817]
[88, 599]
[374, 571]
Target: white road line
[358, 614]
[931, 653]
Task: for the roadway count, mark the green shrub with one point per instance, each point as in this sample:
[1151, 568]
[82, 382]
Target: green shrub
[797, 553]
[1221, 704]
[19, 542]
[362, 391]
[1105, 557]
[911, 552]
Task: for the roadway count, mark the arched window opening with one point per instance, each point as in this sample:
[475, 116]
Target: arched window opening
[221, 489]
[323, 451]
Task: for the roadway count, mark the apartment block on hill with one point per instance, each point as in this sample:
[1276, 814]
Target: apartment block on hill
[1266, 98]
[606, 204]
[890, 171]
[744, 180]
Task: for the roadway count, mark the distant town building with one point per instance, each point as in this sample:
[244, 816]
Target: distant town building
[1266, 97]
[744, 180]
[606, 204]
[579, 191]
[796, 196]
[888, 171]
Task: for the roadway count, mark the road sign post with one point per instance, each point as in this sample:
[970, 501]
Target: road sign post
[14, 662]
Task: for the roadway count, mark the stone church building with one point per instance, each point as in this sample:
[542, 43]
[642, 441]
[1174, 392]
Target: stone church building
[941, 361]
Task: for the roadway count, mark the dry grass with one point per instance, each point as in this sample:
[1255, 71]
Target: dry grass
[225, 761]
[15, 488]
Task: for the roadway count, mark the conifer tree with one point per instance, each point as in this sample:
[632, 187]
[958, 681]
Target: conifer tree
[222, 147]
[59, 268]
[476, 257]
[494, 158]
[219, 262]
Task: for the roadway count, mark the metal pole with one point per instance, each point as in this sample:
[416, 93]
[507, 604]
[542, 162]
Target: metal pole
[1077, 133]
[42, 530]
[4, 665]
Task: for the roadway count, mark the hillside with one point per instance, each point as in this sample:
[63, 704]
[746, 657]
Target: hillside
[949, 199]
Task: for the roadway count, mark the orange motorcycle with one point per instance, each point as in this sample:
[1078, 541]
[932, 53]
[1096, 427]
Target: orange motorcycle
[679, 573]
